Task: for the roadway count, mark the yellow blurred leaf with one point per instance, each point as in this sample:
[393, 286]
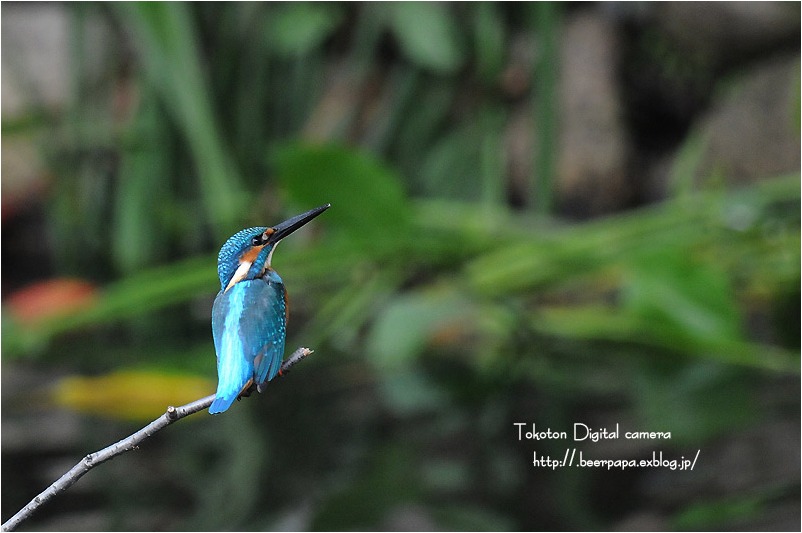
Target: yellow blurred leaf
[133, 395]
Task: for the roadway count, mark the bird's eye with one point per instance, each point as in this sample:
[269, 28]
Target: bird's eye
[257, 241]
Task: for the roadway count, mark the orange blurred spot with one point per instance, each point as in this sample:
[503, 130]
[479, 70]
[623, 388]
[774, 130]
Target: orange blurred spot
[46, 299]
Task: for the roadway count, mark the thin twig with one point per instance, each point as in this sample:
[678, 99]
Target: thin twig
[129, 443]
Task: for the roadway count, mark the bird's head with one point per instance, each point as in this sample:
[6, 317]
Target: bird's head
[247, 253]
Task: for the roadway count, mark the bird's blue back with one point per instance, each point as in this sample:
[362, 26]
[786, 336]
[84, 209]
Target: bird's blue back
[248, 324]
[248, 321]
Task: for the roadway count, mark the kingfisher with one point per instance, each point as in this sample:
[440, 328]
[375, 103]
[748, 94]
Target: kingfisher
[249, 315]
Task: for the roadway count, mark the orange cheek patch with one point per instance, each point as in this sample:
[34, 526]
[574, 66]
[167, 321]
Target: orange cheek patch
[250, 254]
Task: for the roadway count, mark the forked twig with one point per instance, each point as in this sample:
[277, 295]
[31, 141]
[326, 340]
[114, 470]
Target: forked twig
[129, 443]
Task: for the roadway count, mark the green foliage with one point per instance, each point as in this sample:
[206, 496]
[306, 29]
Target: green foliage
[714, 514]
[371, 205]
[171, 57]
[297, 28]
[438, 314]
[427, 33]
[138, 237]
[404, 328]
[489, 41]
[690, 298]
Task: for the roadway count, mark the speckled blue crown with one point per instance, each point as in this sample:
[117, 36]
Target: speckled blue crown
[228, 258]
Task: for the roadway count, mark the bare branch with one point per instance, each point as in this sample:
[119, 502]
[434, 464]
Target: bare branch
[129, 443]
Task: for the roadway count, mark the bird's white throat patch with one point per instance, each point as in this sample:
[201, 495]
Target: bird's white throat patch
[270, 255]
[239, 274]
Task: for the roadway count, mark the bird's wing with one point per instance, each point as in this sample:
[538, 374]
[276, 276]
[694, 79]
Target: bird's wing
[248, 323]
[269, 321]
[234, 367]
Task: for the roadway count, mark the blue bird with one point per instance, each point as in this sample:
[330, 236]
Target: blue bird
[249, 315]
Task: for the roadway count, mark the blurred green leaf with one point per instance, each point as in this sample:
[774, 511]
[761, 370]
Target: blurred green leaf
[410, 391]
[605, 323]
[427, 33]
[689, 298]
[408, 323]
[717, 515]
[341, 318]
[368, 201]
[424, 120]
[549, 255]
[456, 154]
[489, 41]
[169, 50]
[142, 193]
[294, 28]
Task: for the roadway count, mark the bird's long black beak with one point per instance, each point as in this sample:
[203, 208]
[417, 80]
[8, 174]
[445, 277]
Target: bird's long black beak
[288, 226]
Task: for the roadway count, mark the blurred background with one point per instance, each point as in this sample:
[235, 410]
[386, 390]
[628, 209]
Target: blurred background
[548, 213]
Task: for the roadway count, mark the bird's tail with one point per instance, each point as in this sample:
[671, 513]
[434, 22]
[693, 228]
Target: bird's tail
[230, 385]
[222, 403]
